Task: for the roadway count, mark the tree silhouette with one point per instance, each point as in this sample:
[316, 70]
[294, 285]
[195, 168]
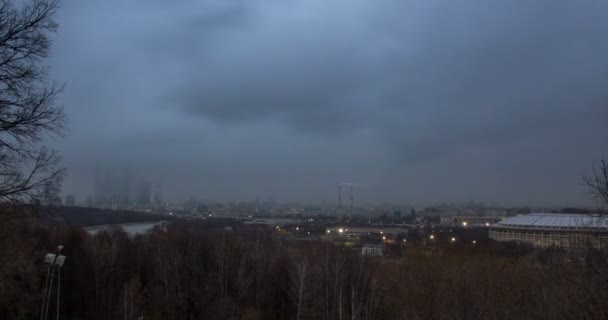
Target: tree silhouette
[28, 113]
[597, 182]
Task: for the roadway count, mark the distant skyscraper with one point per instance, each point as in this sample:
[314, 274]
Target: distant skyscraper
[158, 193]
[104, 193]
[122, 185]
[70, 200]
[90, 202]
[191, 204]
[143, 193]
[97, 188]
[113, 189]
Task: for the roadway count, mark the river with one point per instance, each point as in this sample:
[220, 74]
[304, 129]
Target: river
[132, 229]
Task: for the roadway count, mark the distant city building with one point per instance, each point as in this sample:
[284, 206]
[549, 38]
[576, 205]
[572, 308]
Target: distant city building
[111, 190]
[70, 200]
[468, 221]
[144, 193]
[90, 203]
[554, 230]
[158, 193]
[446, 221]
[366, 232]
[372, 250]
[172, 207]
[191, 204]
[272, 222]
[123, 189]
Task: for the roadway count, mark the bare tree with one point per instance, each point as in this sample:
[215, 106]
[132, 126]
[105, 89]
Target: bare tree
[299, 278]
[597, 183]
[28, 113]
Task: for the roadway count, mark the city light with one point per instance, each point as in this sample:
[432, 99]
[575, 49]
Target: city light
[474, 241]
[383, 238]
[432, 237]
[487, 224]
[297, 228]
[328, 231]
[340, 230]
[464, 223]
[453, 239]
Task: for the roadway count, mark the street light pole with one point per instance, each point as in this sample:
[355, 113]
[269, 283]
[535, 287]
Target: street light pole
[59, 248]
[58, 291]
[50, 260]
[55, 262]
[48, 296]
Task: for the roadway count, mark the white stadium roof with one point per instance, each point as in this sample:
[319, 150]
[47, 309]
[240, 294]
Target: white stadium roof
[555, 221]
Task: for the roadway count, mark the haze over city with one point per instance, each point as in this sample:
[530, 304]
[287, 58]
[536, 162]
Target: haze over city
[303, 159]
[423, 101]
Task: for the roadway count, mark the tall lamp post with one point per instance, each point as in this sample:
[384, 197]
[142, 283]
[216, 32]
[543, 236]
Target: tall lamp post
[54, 263]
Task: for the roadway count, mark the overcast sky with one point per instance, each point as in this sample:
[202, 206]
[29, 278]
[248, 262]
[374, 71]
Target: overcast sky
[423, 101]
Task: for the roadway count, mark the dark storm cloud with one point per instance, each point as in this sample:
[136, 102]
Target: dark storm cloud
[469, 74]
[304, 94]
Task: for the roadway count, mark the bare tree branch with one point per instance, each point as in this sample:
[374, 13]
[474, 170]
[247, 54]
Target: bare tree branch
[597, 182]
[28, 112]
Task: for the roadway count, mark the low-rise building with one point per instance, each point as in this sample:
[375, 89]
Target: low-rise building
[372, 250]
[365, 232]
[470, 221]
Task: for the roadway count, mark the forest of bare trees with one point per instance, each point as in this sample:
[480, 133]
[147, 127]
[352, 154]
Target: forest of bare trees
[196, 271]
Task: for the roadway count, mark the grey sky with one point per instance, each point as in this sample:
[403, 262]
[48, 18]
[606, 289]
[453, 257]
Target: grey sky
[425, 101]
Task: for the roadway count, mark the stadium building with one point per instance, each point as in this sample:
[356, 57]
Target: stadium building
[554, 230]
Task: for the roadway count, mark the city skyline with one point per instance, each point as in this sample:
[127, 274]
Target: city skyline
[124, 188]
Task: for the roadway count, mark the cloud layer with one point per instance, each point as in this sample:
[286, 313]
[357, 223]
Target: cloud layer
[426, 101]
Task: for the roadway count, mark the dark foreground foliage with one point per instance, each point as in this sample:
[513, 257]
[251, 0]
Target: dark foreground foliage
[194, 270]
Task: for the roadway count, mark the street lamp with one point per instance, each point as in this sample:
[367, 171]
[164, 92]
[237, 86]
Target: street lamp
[54, 263]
